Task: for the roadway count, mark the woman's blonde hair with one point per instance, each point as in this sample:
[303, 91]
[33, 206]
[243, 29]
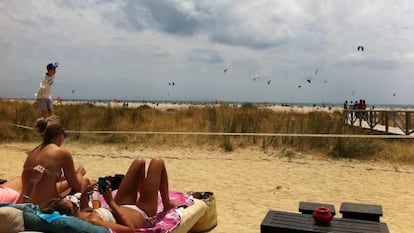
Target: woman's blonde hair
[49, 127]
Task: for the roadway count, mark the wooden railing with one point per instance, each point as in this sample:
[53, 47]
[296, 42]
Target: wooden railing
[388, 121]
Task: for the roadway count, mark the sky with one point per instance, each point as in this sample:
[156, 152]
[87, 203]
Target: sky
[225, 50]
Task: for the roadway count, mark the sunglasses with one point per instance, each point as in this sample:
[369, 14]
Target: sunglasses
[64, 133]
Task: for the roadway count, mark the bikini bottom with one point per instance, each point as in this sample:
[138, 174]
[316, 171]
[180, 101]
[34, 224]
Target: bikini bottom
[149, 221]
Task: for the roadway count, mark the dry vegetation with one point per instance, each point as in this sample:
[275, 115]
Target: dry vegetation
[246, 119]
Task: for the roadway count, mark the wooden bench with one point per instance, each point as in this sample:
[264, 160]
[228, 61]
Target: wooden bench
[309, 207]
[361, 211]
[288, 222]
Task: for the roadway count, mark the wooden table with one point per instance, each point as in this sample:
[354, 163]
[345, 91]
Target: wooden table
[287, 222]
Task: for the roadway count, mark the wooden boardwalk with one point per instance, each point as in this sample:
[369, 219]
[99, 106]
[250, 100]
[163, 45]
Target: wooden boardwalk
[397, 122]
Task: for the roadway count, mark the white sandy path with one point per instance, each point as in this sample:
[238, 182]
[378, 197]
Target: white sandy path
[248, 182]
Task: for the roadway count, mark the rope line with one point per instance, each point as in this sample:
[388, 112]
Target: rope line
[228, 134]
[18, 126]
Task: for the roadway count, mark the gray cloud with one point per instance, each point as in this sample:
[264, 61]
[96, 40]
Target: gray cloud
[204, 56]
[160, 15]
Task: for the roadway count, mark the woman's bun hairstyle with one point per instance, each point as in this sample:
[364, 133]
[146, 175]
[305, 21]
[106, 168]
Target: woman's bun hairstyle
[41, 125]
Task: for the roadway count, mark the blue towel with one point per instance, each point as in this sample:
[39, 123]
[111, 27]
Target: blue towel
[28, 207]
[50, 217]
[34, 220]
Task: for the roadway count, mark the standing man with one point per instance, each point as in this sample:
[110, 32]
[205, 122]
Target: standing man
[43, 94]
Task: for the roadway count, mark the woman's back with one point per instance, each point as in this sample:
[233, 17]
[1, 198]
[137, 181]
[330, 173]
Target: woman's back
[40, 187]
[50, 158]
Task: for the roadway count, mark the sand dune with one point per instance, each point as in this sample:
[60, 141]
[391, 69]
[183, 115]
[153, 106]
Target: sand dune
[248, 182]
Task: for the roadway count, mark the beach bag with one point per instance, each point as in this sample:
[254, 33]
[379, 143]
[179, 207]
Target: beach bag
[209, 220]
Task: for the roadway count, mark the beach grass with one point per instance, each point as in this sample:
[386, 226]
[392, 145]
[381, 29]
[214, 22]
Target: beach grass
[224, 119]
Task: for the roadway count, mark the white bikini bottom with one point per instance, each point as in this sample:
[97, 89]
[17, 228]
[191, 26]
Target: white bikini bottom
[150, 221]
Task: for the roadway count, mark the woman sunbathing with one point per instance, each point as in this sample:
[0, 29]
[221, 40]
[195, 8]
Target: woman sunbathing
[125, 212]
[56, 162]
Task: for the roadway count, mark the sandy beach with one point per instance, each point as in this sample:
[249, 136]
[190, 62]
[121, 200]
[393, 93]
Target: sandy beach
[248, 182]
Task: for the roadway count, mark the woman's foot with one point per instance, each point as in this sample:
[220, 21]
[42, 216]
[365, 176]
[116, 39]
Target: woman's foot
[170, 205]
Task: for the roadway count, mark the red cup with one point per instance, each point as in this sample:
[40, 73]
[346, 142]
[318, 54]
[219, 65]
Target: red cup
[322, 215]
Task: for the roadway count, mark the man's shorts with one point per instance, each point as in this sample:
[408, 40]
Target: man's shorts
[44, 104]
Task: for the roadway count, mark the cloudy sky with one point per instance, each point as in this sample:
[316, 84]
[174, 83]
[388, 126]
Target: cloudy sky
[135, 50]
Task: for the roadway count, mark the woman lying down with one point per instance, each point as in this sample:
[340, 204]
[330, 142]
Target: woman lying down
[124, 212]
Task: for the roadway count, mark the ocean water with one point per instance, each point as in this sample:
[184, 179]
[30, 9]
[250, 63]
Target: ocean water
[297, 104]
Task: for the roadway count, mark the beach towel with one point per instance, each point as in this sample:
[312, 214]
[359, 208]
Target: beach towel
[166, 221]
[8, 195]
[29, 218]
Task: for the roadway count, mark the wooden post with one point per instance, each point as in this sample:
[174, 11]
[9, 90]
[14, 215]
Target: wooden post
[371, 120]
[386, 121]
[394, 119]
[407, 123]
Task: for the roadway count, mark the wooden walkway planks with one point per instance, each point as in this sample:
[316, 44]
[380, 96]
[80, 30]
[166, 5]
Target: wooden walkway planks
[397, 122]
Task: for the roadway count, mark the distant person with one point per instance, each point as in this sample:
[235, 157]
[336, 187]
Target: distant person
[361, 107]
[364, 107]
[345, 112]
[356, 104]
[43, 94]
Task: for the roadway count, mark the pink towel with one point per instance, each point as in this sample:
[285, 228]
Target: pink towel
[166, 221]
[8, 195]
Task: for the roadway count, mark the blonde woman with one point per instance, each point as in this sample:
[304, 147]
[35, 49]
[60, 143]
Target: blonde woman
[59, 172]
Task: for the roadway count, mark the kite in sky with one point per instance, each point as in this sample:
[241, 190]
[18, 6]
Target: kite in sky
[360, 48]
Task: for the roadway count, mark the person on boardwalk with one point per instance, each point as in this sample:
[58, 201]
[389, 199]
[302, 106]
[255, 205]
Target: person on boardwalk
[59, 173]
[345, 111]
[346, 105]
[126, 211]
[43, 94]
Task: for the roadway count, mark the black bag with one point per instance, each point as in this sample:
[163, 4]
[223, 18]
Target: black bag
[115, 180]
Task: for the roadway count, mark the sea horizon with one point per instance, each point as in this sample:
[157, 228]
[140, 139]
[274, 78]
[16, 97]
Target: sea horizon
[203, 102]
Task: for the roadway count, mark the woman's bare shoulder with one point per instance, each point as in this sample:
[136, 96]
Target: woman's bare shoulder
[56, 150]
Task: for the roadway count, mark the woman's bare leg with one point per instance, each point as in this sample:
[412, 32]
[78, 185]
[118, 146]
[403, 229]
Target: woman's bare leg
[165, 190]
[133, 179]
[155, 181]
[15, 184]
[63, 188]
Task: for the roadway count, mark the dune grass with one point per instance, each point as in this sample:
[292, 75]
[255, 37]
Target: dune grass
[245, 119]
